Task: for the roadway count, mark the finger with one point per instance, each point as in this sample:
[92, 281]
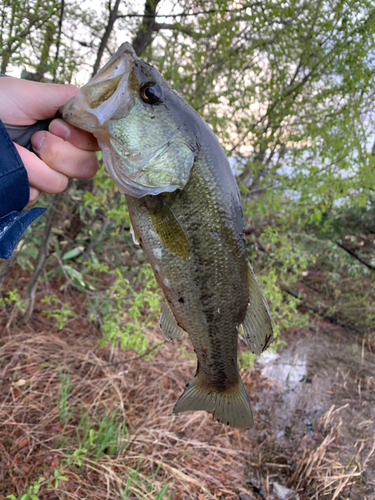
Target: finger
[40, 175]
[35, 194]
[79, 138]
[27, 102]
[63, 157]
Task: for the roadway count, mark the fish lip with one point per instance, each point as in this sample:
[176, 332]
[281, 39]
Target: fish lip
[120, 64]
[125, 54]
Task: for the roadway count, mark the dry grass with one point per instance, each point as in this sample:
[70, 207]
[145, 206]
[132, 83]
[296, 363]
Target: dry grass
[319, 471]
[56, 391]
[35, 439]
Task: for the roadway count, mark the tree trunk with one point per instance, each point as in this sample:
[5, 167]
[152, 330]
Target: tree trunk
[143, 37]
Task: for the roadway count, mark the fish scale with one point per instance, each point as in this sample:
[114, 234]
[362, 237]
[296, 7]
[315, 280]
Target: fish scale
[213, 277]
[186, 214]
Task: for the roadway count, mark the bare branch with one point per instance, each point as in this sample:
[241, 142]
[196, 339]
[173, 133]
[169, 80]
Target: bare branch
[113, 16]
[353, 254]
[156, 346]
[58, 38]
[182, 29]
[194, 14]
[42, 257]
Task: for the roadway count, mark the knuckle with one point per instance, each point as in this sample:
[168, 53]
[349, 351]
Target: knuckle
[52, 151]
[55, 152]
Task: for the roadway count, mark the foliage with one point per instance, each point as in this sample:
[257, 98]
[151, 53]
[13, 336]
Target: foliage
[128, 330]
[33, 490]
[148, 483]
[12, 299]
[61, 315]
[288, 89]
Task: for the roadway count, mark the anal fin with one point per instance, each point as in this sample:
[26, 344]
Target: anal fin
[168, 324]
[257, 325]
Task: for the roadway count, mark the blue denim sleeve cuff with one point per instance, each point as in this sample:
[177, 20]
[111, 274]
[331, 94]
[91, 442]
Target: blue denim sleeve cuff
[11, 228]
[14, 196]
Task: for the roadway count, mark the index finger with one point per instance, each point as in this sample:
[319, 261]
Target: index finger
[79, 138]
[24, 102]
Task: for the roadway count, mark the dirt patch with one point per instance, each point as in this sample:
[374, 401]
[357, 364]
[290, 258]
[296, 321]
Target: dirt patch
[318, 414]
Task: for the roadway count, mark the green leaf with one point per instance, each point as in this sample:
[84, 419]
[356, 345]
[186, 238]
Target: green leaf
[73, 252]
[73, 273]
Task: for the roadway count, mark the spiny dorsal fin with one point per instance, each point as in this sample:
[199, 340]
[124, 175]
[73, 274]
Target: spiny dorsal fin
[257, 325]
[168, 324]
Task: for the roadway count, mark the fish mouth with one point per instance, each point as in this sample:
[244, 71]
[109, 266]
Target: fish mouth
[98, 100]
[120, 63]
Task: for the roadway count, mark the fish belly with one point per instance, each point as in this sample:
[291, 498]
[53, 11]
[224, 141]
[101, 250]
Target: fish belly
[203, 276]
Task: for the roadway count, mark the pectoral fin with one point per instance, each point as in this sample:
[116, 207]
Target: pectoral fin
[169, 230]
[257, 325]
[168, 324]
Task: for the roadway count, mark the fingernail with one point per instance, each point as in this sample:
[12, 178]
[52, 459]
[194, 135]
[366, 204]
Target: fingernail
[37, 141]
[59, 128]
[34, 194]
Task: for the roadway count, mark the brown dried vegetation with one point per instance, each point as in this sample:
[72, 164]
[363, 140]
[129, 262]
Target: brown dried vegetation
[41, 429]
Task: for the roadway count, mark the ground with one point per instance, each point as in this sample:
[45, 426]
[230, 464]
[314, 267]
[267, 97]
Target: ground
[82, 422]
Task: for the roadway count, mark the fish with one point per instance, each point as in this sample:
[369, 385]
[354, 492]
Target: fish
[186, 214]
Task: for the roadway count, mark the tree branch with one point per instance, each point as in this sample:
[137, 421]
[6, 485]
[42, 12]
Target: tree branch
[181, 29]
[42, 257]
[156, 346]
[58, 38]
[193, 14]
[332, 318]
[113, 16]
[353, 254]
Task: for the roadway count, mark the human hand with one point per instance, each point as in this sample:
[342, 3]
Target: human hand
[61, 152]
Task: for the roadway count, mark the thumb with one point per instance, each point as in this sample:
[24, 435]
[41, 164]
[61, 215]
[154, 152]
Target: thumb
[24, 102]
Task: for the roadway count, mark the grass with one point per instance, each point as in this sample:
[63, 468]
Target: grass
[135, 478]
[107, 436]
[79, 421]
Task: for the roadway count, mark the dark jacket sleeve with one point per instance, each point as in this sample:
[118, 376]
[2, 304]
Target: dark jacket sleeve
[14, 196]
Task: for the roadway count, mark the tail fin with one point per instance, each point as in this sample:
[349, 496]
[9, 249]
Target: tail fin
[231, 407]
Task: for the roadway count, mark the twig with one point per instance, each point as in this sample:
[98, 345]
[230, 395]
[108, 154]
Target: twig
[42, 257]
[136, 357]
[332, 319]
[97, 240]
[353, 254]
[193, 14]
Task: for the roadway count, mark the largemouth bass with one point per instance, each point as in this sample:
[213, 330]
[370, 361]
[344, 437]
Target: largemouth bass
[186, 214]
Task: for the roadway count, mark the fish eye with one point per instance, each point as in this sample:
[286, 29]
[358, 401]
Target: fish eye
[151, 93]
